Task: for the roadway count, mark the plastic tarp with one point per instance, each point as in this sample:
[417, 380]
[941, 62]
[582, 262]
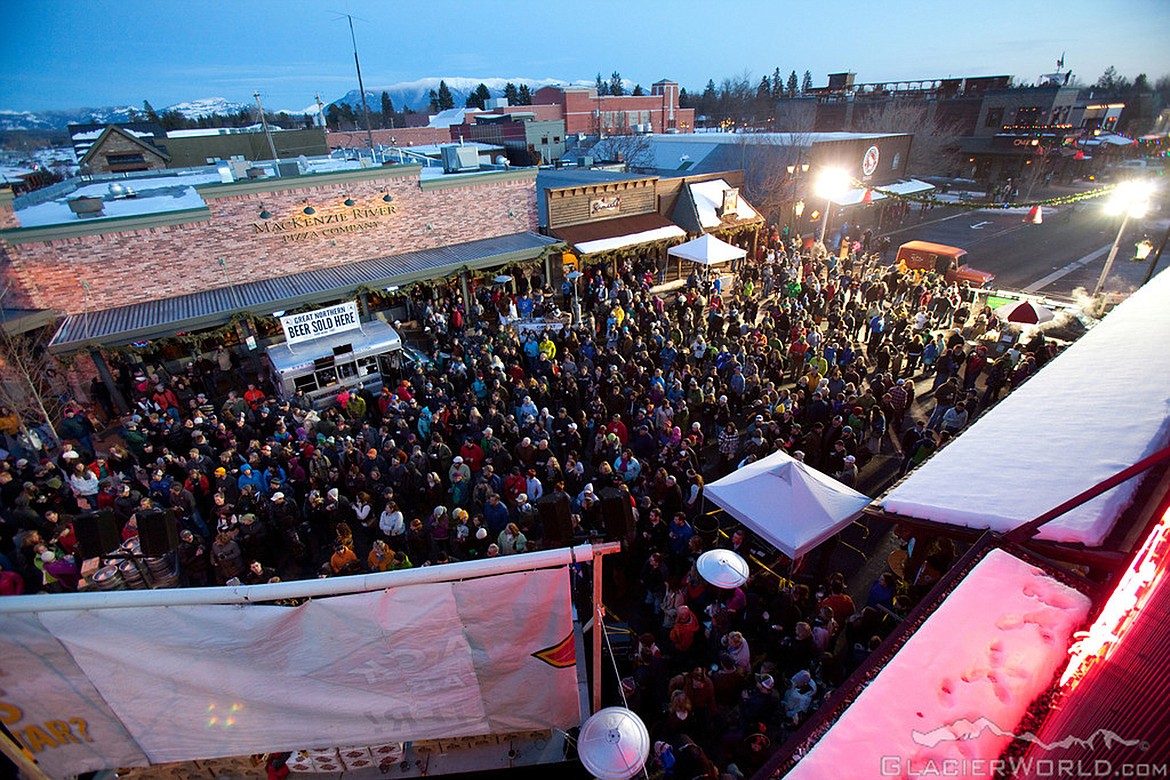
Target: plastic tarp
[791, 505]
[1098, 407]
[707, 250]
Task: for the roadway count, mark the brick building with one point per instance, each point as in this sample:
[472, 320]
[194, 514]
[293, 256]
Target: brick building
[584, 111]
[189, 252]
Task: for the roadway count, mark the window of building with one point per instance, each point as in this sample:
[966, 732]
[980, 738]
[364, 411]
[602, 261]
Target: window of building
[1028, 116]
[994, 118]
[125, 159]
[544, 140]
[556, 139]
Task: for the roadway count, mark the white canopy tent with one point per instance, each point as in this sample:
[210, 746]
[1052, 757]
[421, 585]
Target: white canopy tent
[791, 505]
[707, 250]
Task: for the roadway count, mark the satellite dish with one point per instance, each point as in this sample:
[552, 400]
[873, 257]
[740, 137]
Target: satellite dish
[613, 744]
[502, 279]
[722, 568]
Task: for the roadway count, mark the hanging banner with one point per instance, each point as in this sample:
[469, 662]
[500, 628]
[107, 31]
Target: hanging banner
[425, 661]
[320, 322]
[50, 707]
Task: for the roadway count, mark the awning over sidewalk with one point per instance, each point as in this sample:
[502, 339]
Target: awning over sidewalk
[619, 233]
[904, 187]
[213, 308]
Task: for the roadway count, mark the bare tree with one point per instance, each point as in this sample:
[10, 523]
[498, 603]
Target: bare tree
[633, 149]
[935, 147]
[26, 374]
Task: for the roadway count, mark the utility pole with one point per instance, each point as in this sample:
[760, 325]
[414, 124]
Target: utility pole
[267, 134]
[361, 87]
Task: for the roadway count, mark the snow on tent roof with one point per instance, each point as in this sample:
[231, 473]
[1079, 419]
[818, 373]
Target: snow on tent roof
[961, 685]
[792, 506]
[1091, 412]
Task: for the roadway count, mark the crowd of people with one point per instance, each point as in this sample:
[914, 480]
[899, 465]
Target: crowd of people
[827, 355]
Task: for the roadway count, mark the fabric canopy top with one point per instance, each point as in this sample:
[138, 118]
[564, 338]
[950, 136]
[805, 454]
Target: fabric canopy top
[792, 506]
[707, 250]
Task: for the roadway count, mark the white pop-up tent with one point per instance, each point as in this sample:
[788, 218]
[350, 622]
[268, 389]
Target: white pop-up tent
[707, 250]
[791, 505]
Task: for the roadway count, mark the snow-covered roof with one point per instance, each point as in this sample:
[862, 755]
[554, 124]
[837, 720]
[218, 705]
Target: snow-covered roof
[1058, 434]
[451, 116]
[152, 195]
[708, 197]
[14, 173]
[632, 239]
[959, 688]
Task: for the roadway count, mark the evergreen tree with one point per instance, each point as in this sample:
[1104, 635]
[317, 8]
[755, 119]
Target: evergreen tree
[434, 102]
[151, 114]
[445, 99]
[482, 95]
[709, 100]
[387, 110]
[615, 84]
[131, 115]
[806, 83]
[792, 83]
[524, 97]
[637, 91]
[684, 100]
[777, 84]
[511, 94]
[333, 116]
[602, 85]
[764, 90]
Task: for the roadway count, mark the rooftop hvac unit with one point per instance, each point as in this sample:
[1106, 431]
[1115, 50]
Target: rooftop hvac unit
[239, 167]
[585, 162]
[457, 159]
[290, 168]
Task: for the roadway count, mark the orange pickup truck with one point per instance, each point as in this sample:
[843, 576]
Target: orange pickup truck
[946, 261]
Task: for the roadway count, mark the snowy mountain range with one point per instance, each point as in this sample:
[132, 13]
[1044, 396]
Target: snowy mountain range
[406, 94]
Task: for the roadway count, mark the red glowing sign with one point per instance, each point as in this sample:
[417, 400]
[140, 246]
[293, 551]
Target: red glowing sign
[1123, 606]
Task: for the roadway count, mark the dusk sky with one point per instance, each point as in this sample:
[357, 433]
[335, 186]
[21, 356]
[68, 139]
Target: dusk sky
[74, 53]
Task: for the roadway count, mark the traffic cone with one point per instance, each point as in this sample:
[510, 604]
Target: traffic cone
[1035, 216]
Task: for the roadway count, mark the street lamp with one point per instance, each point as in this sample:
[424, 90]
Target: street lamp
[1130, 199]
[794, 173]
[832, 183]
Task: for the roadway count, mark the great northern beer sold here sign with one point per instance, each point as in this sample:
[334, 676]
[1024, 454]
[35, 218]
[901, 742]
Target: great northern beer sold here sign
[321, 322]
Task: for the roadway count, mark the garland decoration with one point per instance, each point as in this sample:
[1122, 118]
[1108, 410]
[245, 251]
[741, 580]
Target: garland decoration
[933, 200]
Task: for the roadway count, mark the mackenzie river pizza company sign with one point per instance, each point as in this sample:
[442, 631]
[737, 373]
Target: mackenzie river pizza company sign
[311, 227]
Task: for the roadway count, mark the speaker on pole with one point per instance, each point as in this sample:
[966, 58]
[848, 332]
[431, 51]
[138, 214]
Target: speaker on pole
[97, 532]
[158, 532]
[618, 514]
[556, 519]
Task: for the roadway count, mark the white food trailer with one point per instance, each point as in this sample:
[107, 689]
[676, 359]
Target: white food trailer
[330, 350]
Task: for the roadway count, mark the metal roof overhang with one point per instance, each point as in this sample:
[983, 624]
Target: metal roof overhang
[212, 308]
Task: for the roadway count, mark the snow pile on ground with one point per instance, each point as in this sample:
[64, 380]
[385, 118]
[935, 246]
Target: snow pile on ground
[959, 688]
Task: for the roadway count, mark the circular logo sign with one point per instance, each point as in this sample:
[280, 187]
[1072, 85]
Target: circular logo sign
[869, 162]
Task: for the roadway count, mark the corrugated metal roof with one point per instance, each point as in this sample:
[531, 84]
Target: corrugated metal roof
[210, 308]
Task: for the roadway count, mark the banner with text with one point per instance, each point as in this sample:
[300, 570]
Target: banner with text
[320, 322]
[423, 661]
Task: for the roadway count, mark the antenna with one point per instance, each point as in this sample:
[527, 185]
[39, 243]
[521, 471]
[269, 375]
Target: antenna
[267, 134]
[361, 87]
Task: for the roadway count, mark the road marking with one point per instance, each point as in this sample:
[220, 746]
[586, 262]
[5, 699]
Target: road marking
[979, 225]
[1068, 269]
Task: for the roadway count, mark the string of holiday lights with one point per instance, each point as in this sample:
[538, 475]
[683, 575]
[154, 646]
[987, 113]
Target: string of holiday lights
[934, 200]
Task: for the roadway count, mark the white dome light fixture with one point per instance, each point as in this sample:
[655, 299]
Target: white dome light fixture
[722, 568]
[613, 744]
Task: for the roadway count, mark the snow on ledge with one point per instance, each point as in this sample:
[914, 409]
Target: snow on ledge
[631, 239]
[960, 686]
[1100, 406]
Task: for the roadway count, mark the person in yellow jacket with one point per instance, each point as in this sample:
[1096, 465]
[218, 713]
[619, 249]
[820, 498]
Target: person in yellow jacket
[547, 346]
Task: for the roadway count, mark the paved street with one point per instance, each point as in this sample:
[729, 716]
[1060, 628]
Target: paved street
[1065, 252]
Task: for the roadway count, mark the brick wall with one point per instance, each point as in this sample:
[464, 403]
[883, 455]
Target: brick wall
[153, 263]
